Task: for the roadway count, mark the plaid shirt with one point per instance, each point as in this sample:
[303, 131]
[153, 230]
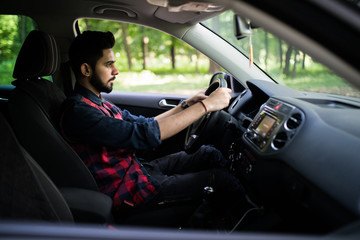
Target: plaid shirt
[106, 138]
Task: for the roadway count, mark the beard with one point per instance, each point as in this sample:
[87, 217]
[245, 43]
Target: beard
[99, 85]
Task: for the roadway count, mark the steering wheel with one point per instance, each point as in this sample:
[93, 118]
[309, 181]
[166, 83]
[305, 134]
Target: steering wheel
[200, 130]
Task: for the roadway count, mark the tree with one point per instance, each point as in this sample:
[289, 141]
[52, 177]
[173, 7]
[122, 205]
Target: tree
[173, 53]
[145, 49]
[8, 30]
[280, 54]
[266, 49]
[126, 45]
[22, 31]
[303, 60]
[293, 75]
[286, 70]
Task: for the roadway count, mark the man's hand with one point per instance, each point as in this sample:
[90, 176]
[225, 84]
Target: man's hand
[197, 97]
[177, 119]
[218, 99]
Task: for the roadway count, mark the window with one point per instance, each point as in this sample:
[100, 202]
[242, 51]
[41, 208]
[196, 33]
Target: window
[153, 61]
[13, 31]
[281, 61]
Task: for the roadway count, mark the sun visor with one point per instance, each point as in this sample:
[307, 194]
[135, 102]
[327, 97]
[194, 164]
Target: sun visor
[185, 12]
[180, 6]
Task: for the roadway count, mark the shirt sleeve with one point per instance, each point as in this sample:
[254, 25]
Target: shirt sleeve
[82, 123]
[127, 116]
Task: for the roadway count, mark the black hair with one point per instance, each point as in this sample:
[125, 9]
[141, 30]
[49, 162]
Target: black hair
[88, 48]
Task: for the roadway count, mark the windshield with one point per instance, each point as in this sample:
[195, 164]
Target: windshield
[282, 62]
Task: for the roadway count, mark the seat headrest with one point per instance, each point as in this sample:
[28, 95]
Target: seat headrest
[38, 56]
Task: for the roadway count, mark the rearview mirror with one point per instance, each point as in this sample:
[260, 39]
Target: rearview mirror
[242, 27]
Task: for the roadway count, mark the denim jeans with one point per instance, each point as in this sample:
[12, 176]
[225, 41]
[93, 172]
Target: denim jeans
[184, 176]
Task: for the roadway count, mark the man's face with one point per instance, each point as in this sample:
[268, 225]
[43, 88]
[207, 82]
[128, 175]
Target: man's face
[105, 71]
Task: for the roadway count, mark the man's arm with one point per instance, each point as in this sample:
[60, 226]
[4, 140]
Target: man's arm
[177, 120]
[191, 101]
[85, 124]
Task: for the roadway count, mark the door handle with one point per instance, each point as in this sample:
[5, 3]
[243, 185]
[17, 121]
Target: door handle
[164, 103]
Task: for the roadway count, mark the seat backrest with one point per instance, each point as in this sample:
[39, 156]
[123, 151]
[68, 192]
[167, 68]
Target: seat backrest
[34, 108]
[26, 191]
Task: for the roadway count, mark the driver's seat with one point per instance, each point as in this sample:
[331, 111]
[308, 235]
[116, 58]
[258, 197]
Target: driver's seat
[34, 108]
[26, 191]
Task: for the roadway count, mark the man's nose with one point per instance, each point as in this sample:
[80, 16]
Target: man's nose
[115, 71]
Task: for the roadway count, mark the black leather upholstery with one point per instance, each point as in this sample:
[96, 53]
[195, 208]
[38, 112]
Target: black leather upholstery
[38, 56]
[34, 108]
[26, 191]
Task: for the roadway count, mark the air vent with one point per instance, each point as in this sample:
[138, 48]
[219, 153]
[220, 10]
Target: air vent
[294, 121]
[279, 141]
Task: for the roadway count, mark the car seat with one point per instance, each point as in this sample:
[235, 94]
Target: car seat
[26, 191]
[34, 108]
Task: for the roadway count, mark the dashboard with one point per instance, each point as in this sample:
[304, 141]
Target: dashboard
[298, 152]
[274, 126]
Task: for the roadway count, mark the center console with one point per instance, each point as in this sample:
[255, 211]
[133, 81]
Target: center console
[274, 126]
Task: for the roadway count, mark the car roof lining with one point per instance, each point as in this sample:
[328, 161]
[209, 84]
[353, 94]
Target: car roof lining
[110, 9]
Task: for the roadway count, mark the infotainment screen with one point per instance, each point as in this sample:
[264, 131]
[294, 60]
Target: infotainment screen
[265, 125]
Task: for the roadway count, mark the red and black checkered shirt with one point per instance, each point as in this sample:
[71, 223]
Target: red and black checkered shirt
[106, 139]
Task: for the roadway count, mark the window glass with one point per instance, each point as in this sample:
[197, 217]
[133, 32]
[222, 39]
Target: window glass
[153, 61]
[13, 31]
[281, 61]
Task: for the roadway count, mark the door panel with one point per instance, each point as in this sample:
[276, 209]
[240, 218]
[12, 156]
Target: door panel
[5, 91]
[146, 104]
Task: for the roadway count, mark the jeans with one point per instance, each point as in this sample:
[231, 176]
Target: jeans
[180, 201]
[184, 176]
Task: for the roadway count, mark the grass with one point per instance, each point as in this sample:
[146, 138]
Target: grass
[318, 79]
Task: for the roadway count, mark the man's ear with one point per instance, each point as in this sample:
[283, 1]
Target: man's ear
[86, 70]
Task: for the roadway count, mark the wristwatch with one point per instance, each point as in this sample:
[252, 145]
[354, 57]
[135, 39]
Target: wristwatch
[184, 104]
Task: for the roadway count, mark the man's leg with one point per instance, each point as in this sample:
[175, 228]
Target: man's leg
[206, 157]
[185, 176]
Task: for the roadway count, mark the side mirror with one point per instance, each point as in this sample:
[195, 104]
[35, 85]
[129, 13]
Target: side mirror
[242, 27]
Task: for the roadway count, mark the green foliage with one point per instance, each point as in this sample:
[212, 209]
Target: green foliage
[282, 62]
[173, 66]
[158, 47]
[6, 68]
[305, 81]
[147, 81]
[13, 31]
[8, 32]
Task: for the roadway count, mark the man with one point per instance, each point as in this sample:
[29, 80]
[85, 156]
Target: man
[106, 138]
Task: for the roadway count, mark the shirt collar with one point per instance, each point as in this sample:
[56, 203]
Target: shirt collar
[86, 93]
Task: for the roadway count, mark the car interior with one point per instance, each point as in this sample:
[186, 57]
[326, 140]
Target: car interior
[296, 152]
